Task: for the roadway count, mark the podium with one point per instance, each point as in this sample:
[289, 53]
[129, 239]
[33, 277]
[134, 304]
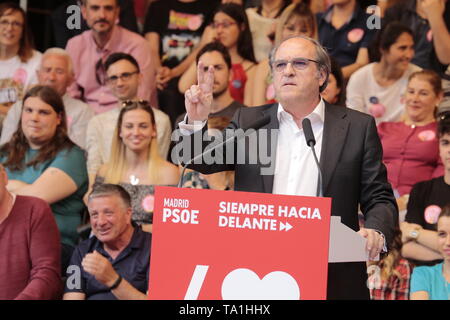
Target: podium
[231, 245]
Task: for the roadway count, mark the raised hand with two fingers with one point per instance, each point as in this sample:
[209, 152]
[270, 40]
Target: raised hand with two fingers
[198, 98]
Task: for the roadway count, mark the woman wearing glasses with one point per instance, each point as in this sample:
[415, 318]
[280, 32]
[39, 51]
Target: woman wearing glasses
[42, 161]
[135, 163]
[18, 60]
[230, 27]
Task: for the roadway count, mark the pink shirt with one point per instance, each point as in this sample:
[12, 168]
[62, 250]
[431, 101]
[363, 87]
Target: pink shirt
[86, 54]
[411, 154]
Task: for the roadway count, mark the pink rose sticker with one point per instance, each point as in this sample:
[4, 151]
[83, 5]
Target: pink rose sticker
[427, 135]
[355, 35]
[194, 22]
[270, 92]
[69, 121]
[432, 213]
[430, 36]
[377, 110]
[148, 203]
[20, 76]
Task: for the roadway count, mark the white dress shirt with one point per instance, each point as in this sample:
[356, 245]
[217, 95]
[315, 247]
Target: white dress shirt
[296, 172]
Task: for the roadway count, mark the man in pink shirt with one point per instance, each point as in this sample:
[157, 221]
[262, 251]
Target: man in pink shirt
[90, 49]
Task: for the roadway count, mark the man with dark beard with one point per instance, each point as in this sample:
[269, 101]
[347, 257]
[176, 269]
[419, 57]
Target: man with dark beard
[90, 50]
[216, 55]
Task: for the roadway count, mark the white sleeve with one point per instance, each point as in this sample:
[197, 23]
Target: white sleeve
[11, 122]
[93, 140]
[187, 129]
[355, 97]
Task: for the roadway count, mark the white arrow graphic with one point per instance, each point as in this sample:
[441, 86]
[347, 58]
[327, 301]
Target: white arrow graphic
[285, 226]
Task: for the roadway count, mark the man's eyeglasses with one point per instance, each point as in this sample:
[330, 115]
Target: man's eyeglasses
[224, 25]
[297, 63]
[15, 24]
[124, 77]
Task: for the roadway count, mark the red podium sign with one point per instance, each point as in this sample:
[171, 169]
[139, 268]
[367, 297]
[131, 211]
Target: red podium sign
[228, 245]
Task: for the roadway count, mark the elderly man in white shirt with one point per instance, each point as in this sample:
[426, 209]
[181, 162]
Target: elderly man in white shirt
[55, 71]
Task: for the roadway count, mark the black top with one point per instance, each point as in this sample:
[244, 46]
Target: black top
[179, 25]
[133, 264]
[343, 44]
[423, 196]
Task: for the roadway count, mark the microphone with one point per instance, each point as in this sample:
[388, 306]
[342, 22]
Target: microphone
[311, 142]
[258, 123]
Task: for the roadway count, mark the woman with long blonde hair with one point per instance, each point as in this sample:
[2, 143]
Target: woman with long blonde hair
[135, 162]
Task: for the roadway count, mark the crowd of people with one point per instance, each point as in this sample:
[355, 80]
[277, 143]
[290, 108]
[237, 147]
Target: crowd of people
[86, 131]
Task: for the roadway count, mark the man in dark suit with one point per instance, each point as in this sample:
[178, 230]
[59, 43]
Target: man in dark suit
[347, 142]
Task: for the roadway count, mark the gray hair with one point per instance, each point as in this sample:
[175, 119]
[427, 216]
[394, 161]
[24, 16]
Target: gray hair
[62, 53]
[322, 57]
[107, 189]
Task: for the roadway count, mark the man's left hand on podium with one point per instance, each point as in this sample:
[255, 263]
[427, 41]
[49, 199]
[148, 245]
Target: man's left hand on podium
[375, 242]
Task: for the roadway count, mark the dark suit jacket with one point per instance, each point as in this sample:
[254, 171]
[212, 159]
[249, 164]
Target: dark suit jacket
[353, 175]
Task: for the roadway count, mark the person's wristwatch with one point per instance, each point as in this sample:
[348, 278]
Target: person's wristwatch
[414, 234]
[116, 283]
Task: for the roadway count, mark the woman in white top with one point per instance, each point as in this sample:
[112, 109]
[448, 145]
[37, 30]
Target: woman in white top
[262, 21]
[18, 60]
[378, 88]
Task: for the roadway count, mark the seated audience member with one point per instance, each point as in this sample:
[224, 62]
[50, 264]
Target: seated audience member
[29, 246]
[90, 50]
[296, 20]
[430, 22]
[216, 55]
[390, 279]
[410, 147]
[174, 30]
[18, 59]
[425, 202]
[42, 161]
[378, 87]
[55, 71]
[123, 77]
[135, 162]
[262, 20]
[344, 33]
[230, 28]
[61, 17]
[115, 262]
[432, 282]
[334, 93]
